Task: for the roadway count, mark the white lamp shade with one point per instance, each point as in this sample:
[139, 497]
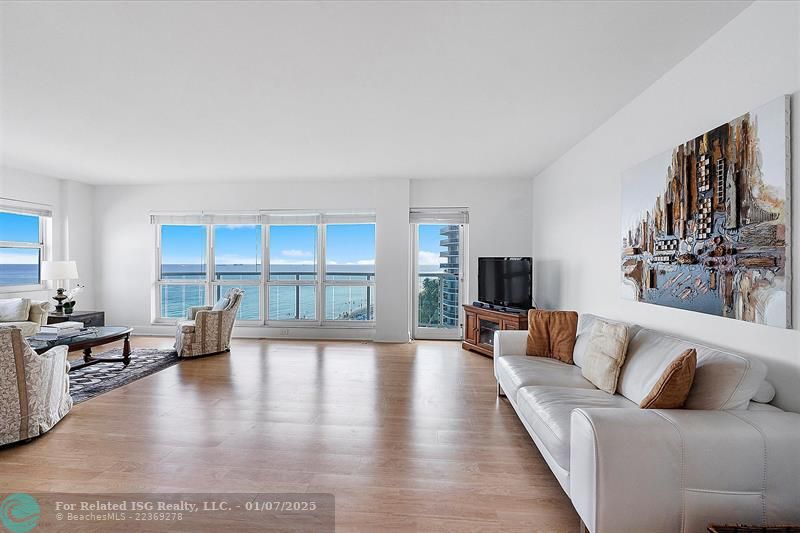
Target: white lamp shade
[59, 270]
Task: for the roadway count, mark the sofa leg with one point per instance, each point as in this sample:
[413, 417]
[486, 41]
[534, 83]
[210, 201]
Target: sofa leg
[500, 392]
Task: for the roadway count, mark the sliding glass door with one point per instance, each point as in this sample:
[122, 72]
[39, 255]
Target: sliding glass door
[438, 280]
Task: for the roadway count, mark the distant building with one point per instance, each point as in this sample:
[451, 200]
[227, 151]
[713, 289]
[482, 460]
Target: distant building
[450, 264]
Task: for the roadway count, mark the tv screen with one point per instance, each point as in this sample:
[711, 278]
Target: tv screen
[505, 281]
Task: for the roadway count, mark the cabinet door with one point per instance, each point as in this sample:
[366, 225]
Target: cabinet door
[471, 328]
[487, 325]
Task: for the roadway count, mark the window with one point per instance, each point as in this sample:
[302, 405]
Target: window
[350, 272]
[183, 252]
[293, 272]
[237, 264]
[21, 250]
[309, 269]
[183, 269]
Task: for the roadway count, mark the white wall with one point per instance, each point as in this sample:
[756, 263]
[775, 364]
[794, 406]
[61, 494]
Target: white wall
[576, 201]
[73, 218]
[500, 224]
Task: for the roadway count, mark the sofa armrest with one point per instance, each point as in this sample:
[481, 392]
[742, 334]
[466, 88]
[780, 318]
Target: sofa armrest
[191, 314]
[38, 312]
[510, 342]
[679, 470]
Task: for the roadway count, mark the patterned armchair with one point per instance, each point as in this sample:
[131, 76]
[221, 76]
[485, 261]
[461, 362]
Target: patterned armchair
[34, 389]
[208, 329]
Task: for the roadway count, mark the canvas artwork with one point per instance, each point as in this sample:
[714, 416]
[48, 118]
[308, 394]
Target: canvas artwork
[705, 226]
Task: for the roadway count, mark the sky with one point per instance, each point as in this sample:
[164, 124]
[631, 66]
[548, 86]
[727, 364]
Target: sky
[19, 228]
[348, 244]
[428, 243]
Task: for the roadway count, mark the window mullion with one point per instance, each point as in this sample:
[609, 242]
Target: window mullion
[210, 264]
[321, 234]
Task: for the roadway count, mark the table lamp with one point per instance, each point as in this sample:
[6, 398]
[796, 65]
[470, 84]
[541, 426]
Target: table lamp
[59, 271]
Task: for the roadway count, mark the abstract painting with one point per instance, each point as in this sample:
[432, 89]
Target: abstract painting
[706, 225]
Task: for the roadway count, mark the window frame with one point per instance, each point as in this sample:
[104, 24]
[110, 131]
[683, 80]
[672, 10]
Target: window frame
[264, 282]
[42, 246]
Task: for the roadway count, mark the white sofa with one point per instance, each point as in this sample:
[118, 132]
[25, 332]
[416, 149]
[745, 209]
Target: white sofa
[722, 459]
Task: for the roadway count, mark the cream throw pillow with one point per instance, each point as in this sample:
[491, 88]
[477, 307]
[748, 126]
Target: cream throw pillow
[15, 309]
[605, 354]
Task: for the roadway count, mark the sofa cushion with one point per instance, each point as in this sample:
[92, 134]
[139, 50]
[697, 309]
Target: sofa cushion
[515, 371]
[547, 411]
[672, 387]
[585, 325]
[14, 309]
[605, 354]
[552, 334]
[722, 380]
[28, 328]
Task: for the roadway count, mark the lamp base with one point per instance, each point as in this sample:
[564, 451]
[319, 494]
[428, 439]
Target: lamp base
[59, 298]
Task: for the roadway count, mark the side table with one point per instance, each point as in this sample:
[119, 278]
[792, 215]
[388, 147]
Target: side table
[89, 318]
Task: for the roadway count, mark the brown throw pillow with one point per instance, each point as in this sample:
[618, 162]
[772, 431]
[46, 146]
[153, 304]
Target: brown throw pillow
[552, 334]
[672, 388]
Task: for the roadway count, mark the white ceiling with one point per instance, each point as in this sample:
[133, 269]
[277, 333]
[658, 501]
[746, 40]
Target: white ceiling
[115, 92]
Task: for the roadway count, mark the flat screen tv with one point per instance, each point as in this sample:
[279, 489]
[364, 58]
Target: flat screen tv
[505, 281]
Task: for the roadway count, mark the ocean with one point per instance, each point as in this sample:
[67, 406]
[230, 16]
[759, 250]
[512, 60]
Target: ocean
[19, 274]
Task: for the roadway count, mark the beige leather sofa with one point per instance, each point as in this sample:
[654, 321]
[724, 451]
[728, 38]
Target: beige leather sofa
[724, 458]
[37, 317]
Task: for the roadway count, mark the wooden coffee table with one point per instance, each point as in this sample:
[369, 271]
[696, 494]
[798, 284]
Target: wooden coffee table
[92, 338]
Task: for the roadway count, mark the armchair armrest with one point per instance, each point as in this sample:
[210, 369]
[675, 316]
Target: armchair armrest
[679, 470]
[47, 379]
[53, 363]
[510, 342]
[191, 314]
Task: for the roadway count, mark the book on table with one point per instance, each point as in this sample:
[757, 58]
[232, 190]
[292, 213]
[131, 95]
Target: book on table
[62, 329]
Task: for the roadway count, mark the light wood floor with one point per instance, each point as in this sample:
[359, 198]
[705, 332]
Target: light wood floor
[407, 437]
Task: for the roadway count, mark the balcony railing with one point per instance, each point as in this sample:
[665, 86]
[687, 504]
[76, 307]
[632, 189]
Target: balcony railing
[352, 310]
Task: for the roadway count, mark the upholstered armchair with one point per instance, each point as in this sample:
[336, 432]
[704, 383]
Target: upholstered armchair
[208, 329]
[34, 389]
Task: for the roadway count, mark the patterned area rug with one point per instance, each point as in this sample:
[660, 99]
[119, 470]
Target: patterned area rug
[94, 380]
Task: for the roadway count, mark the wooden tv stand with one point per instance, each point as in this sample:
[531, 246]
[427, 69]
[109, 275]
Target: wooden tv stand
[481, 323]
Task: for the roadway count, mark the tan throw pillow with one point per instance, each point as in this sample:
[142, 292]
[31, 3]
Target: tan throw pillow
[672, 388]
[552, 334]
[605, 353]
